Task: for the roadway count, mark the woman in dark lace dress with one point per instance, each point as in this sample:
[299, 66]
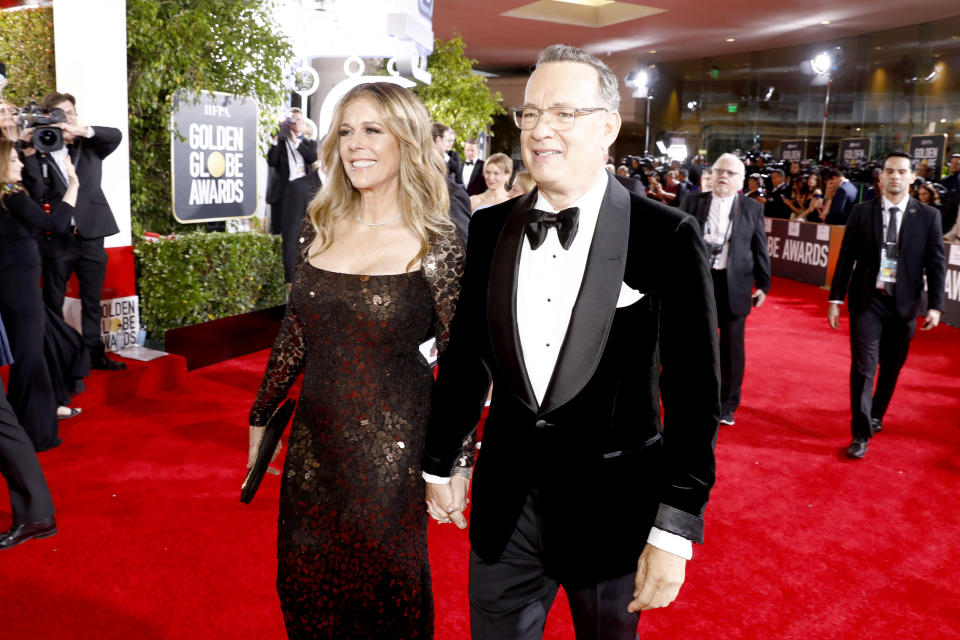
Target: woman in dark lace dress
[380, 275]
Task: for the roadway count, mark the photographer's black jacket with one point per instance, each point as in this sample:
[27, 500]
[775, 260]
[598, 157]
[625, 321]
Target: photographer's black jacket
[42, 178]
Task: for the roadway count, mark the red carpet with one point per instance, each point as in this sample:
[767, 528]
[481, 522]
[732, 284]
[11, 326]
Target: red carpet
[801, 542]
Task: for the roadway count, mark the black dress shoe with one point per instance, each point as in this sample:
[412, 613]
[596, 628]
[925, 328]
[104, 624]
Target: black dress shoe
[28, 531]
[106, 364]
[876, 424]
[857, 448]
[727, 419]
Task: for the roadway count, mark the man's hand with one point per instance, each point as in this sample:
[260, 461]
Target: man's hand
[932, 320]
[758, 297]
[660, 575]
[443, 504]
[833, 315]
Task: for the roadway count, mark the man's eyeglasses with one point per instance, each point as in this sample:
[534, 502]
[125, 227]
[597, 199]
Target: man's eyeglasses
[560, 118]
[726, 172]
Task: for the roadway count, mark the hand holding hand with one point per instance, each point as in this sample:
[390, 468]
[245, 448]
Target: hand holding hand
[833, 315]
[660, 575]
[932, 320]
[443, 506]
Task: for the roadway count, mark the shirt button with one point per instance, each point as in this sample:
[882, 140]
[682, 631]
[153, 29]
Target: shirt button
[548, 344]
[549, 300]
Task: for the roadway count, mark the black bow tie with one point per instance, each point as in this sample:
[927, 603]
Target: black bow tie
[539, 223]
[469, 162]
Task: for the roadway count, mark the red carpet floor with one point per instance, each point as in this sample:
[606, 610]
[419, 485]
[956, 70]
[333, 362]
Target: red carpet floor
[800, 541]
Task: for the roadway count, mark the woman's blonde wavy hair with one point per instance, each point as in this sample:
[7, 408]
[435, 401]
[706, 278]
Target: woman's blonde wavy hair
[424, 200]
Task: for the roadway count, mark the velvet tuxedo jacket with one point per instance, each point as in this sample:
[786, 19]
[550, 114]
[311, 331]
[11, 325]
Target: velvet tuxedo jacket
[93, 214]
[748, 261]
[604, 466]
[921, 253]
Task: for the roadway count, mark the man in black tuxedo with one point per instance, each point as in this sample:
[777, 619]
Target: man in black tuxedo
[734, 234]
[844, 197]
[30, 499]
[471, 171]
[776, 206]
[79, 251]
[952, 181]
[573, 298]
[290, 158]
[890, 244]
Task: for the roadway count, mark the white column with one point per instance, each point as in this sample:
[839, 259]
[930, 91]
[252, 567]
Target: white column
[90, 41]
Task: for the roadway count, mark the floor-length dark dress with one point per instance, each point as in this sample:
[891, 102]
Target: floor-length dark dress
[352, 530]
[33, 392]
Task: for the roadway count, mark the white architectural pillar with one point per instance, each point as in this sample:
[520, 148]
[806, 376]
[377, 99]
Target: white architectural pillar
[90, 40]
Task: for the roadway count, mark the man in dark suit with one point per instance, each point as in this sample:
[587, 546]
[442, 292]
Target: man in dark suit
[776, 205]
[733, 231]
[844, 197]
[586, 305]
[296, 197]
[443, 139]
[30, 499]
[952, 181]
[890, 244]
[290, 157]
[79, 251]
[471, 171]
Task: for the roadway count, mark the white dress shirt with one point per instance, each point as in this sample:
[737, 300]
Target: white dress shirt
[60, 158]
[548, 283]
[717, 228]
[294, 159]
[467, 172]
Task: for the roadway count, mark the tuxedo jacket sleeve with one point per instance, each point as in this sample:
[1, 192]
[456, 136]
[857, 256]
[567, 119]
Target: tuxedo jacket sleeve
[93, 214]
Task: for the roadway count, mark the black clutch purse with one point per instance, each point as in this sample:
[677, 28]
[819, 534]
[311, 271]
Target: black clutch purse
[274, 429]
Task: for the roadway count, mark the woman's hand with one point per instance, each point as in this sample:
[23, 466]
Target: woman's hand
[72, 178]
[254, 439]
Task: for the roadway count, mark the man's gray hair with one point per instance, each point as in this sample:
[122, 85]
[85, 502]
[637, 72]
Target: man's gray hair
[609, 87]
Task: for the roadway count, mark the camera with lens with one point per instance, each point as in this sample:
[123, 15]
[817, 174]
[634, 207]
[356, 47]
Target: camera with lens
[47, 136]
[284, 127]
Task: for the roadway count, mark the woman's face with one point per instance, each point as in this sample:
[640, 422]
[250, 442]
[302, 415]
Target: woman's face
[753, 184]
[14, 166]
[924, 195]
[494, 176]
[370, 154]
[812, 181]
[7, 113]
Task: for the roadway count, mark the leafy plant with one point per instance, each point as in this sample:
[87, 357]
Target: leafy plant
[458, 97]
[233, 46]
[204, 276]
[26, 46]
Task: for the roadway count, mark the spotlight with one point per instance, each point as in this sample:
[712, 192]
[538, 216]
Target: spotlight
[822, 63]
[693, 105]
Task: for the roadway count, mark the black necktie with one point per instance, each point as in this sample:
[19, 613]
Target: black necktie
[539, 223]
[891, 240]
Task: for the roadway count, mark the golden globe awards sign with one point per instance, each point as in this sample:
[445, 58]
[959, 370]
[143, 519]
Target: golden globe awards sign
[213, 155]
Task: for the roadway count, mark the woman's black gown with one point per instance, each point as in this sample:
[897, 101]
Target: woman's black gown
[352, 531]
[33, 335]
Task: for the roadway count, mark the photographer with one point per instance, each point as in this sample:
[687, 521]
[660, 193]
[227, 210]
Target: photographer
[290, 157]
[80, 249]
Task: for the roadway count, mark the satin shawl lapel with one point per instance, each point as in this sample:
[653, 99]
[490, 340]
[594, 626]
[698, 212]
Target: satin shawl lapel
[502, 302]
[596, 303]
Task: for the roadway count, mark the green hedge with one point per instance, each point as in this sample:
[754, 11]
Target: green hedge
[204, 276]
[26, 45]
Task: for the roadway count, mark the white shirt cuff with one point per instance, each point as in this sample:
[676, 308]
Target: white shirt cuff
[670, 542]
[90, 132]
[432, 479]
[836, 302]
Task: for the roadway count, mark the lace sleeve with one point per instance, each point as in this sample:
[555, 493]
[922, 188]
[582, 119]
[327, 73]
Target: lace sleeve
[304, 239]
[283, 368]
[443, 268]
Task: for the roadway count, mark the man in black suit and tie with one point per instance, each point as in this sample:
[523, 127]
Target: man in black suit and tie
[290, 157]
[586, 305]
[471, 171]
[890, 244]
[952, 181]
[734, 234]
[79, 251]
[776, 205]
[30, 499]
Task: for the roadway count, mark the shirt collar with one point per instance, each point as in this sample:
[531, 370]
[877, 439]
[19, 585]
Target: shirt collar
[901, 206]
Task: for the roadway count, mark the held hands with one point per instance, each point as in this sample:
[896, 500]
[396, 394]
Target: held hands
[255, 437]
[932, 320]
[660, 575]
[833, 315]
[447, 502]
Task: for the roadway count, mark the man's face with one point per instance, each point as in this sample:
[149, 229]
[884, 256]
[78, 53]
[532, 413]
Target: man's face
[794, 168]
[954, 165]
[833, 182]
[727, 176]
[776, 179]
[896, 178]
[706, 182]
[567, 162]
[449, 137]
[71, 112]
[470, 151]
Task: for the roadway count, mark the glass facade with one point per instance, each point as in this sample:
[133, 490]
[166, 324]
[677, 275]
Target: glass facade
[885, 86]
